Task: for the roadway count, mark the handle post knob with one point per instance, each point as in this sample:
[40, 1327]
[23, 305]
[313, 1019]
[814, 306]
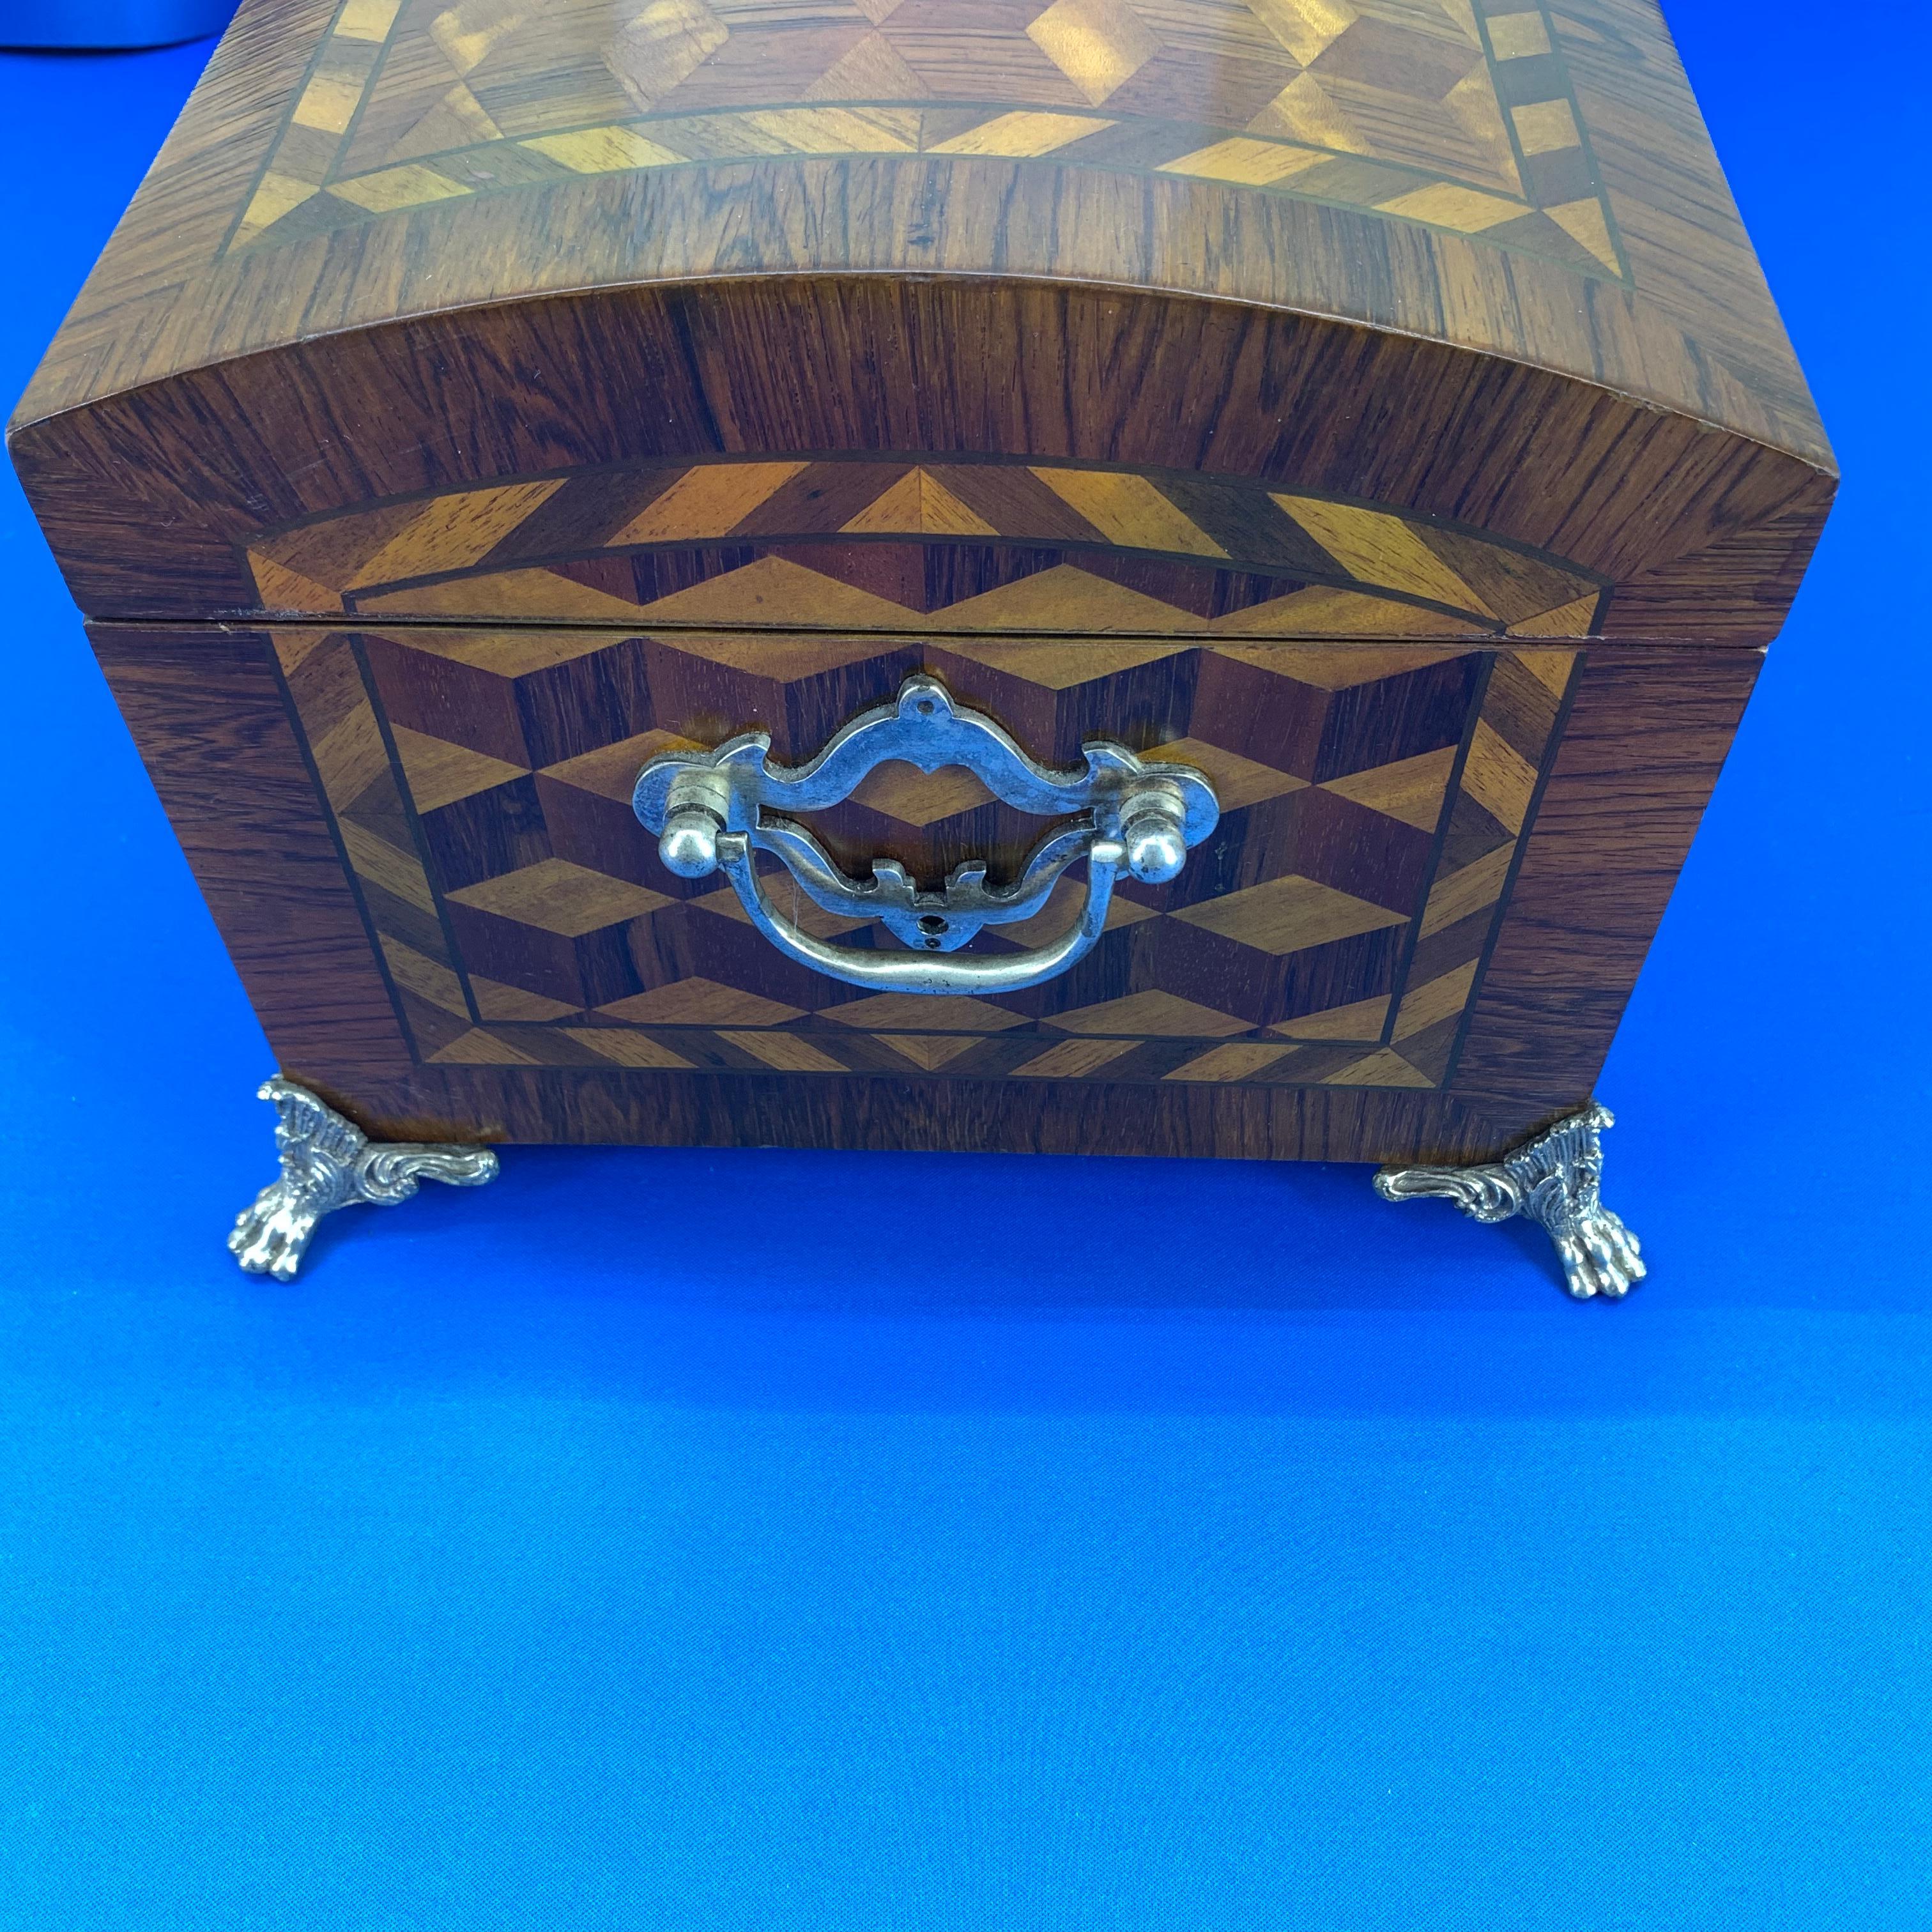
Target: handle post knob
[697, 810]
[688, 845]
[1154, 831]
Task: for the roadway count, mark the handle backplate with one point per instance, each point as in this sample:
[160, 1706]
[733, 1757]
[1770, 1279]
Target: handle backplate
[712, 810]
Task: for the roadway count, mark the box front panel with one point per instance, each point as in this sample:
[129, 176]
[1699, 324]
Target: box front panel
[1331, 932]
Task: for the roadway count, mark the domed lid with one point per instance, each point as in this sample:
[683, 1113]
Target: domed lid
[1261, 314]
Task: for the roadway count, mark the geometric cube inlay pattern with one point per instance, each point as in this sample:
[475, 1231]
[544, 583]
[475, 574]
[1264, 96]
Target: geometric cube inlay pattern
[1454, 114]
[1331, 932]
[954, 543]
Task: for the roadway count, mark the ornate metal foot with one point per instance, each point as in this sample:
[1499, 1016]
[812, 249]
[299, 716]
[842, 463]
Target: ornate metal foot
[329, 1162]
[1556, 1179]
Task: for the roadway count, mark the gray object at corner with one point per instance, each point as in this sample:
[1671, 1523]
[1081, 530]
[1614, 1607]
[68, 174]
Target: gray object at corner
[329, 1162]
[1557, 1180]
[101, 24]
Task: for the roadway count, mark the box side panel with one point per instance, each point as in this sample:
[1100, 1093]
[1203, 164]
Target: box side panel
[209, 716]
[1646, 738]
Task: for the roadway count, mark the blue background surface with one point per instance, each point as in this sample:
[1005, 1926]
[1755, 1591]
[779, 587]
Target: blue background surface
[766, 1541]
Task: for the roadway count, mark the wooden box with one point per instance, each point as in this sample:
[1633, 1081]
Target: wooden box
[1374, 403]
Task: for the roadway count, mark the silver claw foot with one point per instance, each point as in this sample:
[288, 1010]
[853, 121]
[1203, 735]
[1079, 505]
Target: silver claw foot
[329, 1162]
[1556, 1179]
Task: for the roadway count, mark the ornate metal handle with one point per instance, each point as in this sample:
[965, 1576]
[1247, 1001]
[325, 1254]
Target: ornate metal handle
[712, 810]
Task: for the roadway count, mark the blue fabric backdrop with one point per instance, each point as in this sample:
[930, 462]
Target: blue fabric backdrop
[676, 1540]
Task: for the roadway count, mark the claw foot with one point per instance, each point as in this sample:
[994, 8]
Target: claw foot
[329, 1162]
[1556, 1180]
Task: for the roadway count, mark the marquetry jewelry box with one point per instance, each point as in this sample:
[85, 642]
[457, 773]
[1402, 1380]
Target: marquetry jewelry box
[1112, 576]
